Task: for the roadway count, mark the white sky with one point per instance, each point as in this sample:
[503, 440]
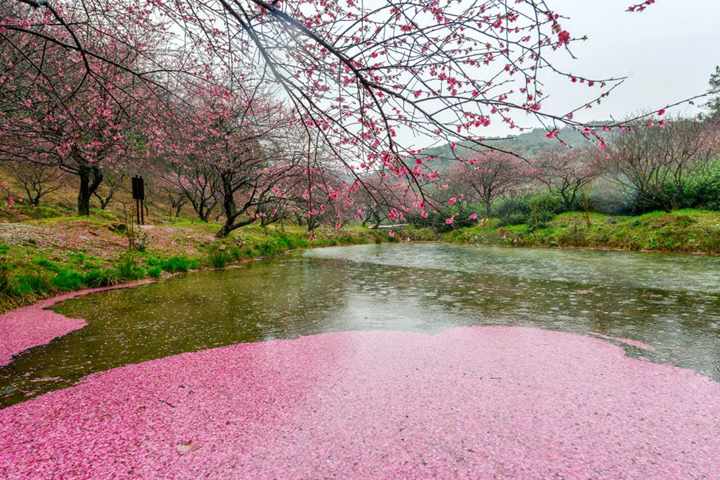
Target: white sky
[667, 52]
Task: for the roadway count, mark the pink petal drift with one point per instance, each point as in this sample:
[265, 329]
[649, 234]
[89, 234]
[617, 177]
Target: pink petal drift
[31, 326]
[470, 402]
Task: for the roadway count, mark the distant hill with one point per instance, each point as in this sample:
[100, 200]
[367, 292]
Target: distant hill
[526, 144]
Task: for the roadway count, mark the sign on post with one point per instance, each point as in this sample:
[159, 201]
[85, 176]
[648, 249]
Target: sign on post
[138, 191]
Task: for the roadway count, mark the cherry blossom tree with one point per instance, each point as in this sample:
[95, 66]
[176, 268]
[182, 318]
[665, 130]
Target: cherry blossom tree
[651, 163]
[490, 176]
[63, 106]
[359, 78]
[565, 172]
[193, 179]
[37, 180]
[113, 182]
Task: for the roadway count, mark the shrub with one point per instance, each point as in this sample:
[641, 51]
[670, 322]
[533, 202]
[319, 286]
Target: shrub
[93, 278]
[528, 209]
[152, 261]
[703, 190]
[235, 253]
[32, 283]
[109, 278]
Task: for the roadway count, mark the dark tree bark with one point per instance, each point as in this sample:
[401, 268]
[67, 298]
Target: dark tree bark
[90, 179]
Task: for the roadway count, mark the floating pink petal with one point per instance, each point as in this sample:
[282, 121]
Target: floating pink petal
[31, 326]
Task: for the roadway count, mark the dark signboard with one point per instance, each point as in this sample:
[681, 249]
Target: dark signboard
[138, 188]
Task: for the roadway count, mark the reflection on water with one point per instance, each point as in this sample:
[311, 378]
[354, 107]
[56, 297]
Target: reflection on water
[671, 302]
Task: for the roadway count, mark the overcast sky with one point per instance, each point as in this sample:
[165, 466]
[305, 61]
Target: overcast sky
[667, 52]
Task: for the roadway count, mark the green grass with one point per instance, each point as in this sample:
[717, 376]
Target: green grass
[154, 272]
[219, 259]
[679, 231]
[178, 264]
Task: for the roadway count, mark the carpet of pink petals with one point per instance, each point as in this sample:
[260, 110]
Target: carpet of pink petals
[34, 325]
[477, 402]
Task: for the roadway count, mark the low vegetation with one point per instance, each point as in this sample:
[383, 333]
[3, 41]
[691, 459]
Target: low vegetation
[689, 231]
[49, 263]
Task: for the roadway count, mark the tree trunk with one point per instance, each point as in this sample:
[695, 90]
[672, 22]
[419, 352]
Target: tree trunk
[90, 179]
[229, 207]
[224, 230]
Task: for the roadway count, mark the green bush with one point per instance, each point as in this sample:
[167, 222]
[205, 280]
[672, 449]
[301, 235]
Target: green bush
[529, 209]
[152, 261]
[94, 278]
[110, 277]
[703, 190]
[235, 253]
[101, 278]
[32, 283]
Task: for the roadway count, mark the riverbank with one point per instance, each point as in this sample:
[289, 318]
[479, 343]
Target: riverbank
[43, 258]
[682, 231]
[36, 324]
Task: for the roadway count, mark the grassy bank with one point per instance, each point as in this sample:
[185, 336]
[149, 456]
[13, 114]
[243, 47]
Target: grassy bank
[689, 231]
[42, 258]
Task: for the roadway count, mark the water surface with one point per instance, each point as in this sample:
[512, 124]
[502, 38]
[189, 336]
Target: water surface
[671, 302]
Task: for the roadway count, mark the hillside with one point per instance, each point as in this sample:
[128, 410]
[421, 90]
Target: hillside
[526, 144]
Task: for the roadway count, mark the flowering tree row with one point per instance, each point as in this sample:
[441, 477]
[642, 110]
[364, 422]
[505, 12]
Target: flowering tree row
[206, 86]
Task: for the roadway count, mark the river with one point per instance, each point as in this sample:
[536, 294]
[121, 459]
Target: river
[667, 307]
